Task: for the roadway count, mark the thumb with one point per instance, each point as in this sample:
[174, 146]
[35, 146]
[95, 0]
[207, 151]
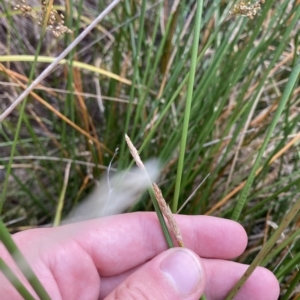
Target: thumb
[177, 273]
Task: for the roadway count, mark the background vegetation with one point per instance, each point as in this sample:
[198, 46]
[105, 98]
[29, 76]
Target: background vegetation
[131, 75]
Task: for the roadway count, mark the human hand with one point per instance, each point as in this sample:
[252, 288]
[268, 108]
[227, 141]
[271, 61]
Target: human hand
[126, 257]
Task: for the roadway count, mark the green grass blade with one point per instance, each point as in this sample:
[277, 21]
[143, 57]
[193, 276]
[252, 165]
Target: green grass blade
[13, 279]
[285, 97]
[22, 263]
[266, 248]
[188, 106]
[292, 287]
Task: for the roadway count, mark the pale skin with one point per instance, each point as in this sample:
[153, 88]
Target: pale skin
[126, 257]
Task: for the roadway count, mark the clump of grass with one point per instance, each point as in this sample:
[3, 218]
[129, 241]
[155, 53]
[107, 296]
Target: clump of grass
[242, 70]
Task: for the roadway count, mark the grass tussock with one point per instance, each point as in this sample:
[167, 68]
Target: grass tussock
[224, 104]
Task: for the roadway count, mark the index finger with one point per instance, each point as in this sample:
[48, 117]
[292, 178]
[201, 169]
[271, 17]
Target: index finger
[120, 243]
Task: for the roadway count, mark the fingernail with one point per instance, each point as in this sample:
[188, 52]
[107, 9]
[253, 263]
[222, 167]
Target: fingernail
[183, 270]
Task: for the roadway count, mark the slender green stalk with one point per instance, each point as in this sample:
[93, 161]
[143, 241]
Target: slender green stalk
[266, 248]
[60, 204]
[141, 102]
[292, 287]
[188, 106]
[288, 267]
[21, 262]
[14, 280]
[264, 202]
[135, 78]
[280, 247]
[161, 219]
[157, 59]
[18, 128]
[285, 96]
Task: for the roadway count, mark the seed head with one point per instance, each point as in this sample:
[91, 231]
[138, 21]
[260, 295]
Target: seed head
[247, 9]
[55, 22]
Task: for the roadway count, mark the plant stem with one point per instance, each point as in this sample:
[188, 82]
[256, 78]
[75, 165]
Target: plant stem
[188, 106]
[22, 263]
[14, 280]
